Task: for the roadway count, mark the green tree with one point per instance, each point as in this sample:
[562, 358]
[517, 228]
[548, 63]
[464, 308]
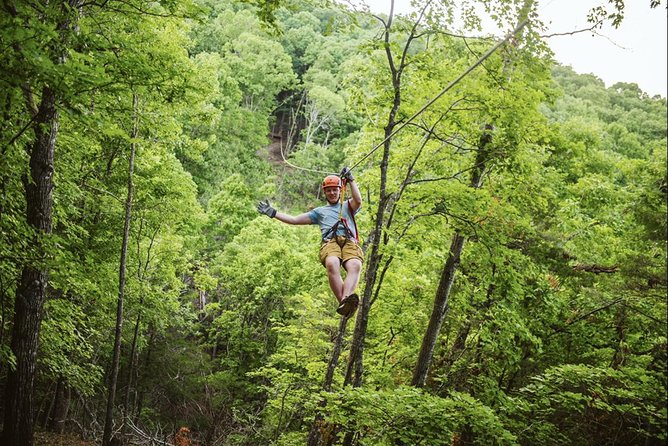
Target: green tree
[50, 36]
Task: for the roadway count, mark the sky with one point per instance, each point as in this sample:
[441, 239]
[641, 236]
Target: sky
[635, 52]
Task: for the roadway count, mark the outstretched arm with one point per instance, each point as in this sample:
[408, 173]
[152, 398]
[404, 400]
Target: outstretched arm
[265, 208]
[301, 219]
[355, 195]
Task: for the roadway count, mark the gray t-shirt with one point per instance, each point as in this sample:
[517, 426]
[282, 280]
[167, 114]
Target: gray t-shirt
[327, 216]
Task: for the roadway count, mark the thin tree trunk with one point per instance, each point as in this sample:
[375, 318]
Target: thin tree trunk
[61, 404]
[355, 359]
[132, 363]
[355, 367]
[317, 428]
[440, 307]
[475, 317]
[438, 311]
[458, 346]
[44, 412]
[31, 291]
[134, 354]
[113, 375]
[146, 364]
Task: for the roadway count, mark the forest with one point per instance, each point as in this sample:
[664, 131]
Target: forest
[513, 221]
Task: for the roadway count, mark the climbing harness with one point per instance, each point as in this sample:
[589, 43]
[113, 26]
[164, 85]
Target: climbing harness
[331, 232]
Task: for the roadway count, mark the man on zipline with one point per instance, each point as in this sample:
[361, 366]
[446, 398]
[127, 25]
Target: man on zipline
[340, 241]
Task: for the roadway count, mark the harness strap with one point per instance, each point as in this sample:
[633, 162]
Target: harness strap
[335, 227]
[331, 232]
[352, 217]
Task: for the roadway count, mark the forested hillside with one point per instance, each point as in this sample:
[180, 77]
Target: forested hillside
[514, 284]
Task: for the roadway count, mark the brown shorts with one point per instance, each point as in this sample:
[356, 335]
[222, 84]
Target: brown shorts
[341, 247]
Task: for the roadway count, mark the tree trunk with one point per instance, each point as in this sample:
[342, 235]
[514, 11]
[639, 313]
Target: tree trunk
[61, 406]
[459, 345]
[448, 274]
[113, 374]
[318, 428]
[355, 368]
[438, 312]
[133, 357]
[132, 363]
[31, 291]
[143, 372]
[475, 318]
[355, 359]
[456, 246]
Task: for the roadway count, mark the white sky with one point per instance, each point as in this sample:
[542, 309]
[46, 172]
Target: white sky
[635, 52]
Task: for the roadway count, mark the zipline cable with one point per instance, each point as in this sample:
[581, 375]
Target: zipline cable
[299, 167]
[475, 65]
[442, 92]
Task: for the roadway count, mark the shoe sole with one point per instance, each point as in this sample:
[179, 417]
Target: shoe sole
[350, 304]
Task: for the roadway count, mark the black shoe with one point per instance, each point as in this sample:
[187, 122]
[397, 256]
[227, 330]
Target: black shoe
[342, 307]
[348, 305]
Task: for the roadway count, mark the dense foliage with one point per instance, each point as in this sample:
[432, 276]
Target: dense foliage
[554, 330]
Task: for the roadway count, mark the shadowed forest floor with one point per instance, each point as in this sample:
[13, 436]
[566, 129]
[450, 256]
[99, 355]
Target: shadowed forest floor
[53, 439]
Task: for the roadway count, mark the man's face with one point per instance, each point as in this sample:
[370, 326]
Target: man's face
[332, 194]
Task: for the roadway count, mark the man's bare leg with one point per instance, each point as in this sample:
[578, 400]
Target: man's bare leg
[353, 269]
[333, 265]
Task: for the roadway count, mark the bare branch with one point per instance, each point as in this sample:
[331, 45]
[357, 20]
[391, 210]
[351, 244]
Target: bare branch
[578, 31]
[144, 435]
[21, 132]
[454, 176]
[591, 29]
[586, 315]
[596, 269]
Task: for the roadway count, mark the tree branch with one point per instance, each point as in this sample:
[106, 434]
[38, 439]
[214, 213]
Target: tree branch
[596, 269]
[586, 315]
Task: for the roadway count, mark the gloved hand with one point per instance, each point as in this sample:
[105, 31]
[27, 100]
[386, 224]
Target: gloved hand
[347, 174]
[263, 207]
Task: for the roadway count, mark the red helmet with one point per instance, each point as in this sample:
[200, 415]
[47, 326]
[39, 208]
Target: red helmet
[331, 181]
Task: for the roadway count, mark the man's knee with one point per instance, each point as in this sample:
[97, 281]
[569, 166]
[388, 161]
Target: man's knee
[353, 265]
[332, 264]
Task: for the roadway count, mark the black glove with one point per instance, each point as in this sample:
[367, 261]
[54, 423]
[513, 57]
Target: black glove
[263, 207]
[347, 174]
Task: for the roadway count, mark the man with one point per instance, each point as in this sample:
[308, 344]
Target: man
[339, 247]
